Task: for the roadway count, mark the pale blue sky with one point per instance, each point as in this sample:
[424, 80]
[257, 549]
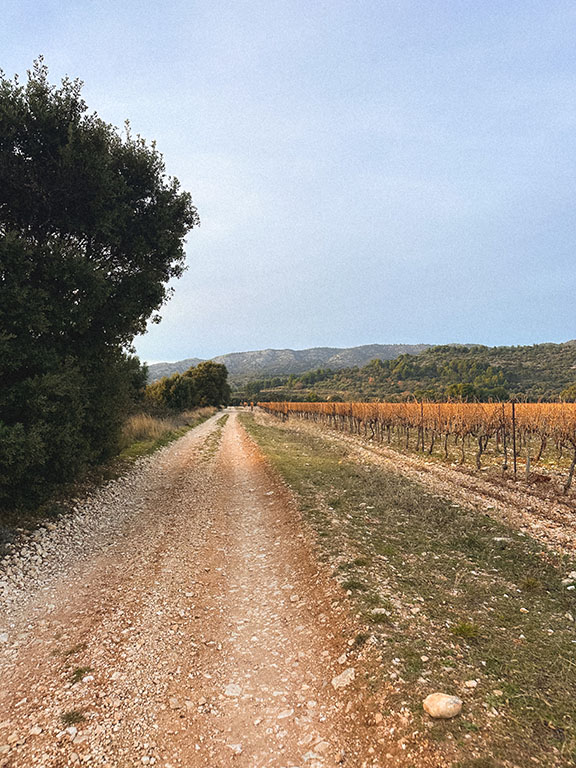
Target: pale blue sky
[392, 171]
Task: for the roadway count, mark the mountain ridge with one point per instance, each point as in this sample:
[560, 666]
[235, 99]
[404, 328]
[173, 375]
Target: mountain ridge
[272, 362]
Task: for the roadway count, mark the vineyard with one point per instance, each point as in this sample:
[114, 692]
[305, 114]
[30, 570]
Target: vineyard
[515, 435]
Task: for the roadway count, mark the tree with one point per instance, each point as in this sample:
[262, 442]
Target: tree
[205, 384]
[91, 231]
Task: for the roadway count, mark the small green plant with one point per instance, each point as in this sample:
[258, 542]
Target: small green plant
[466, 630]
[466, 725]
[530, 584]
[72, 717]
[79, 673]
[360, 640]
[354, 585]
[379, 618]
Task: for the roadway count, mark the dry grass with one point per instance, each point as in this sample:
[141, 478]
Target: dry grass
[142, 432]
[142, 426]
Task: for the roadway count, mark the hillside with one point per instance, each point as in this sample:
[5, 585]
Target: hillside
[541, 371]
[243, 366]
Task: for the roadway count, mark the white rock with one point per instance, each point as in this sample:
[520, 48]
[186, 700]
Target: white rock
[232, 690]
[471, 683]
[35, 730]
[441, 705]
[344, 679]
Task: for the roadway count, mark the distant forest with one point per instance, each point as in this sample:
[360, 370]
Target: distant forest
[531, 373]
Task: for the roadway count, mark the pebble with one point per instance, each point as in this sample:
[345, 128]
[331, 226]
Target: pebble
[232, 690]
[344, 678]
[442, 705]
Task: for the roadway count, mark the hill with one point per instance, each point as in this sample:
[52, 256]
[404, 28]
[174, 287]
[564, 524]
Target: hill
[243, 366]
[540, 371]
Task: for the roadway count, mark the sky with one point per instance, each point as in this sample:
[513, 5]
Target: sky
[366, 171]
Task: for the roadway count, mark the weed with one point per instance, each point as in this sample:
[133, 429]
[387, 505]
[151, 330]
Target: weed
[379, 618]
[466, 630]
[360, 640]
[79, 673]
[72, 717]
[354, 585]
[530, 584]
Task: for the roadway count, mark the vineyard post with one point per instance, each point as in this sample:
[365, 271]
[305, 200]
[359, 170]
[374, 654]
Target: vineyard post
[514, 433]
[505, 444]
[422, 425]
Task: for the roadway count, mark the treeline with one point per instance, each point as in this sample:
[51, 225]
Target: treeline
[469, 374]
[91, 230]
[205, 384]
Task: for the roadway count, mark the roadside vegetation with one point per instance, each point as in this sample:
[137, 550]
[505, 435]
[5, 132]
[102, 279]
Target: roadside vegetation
[92, 230]
[143, 433]
[449, 599]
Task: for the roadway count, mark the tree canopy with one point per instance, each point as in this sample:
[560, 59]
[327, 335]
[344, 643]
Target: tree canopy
[91, 231]
[205, 384]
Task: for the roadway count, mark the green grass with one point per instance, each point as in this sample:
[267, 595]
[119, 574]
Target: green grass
[79, 673]
[476, 607]
[72, 717]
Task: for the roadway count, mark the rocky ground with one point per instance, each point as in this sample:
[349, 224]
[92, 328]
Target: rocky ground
[179, 618]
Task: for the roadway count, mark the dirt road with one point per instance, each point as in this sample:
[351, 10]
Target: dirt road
[193, 628]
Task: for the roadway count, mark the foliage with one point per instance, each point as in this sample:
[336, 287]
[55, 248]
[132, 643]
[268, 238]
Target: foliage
[475, 373]
[205, 384]
[91, 230]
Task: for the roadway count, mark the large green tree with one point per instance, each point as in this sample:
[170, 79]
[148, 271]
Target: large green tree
[91, 231]
[205, 384]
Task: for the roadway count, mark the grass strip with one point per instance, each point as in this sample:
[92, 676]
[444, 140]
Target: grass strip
[453, 600]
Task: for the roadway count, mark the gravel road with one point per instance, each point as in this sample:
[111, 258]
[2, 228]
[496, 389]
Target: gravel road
[179, 618]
